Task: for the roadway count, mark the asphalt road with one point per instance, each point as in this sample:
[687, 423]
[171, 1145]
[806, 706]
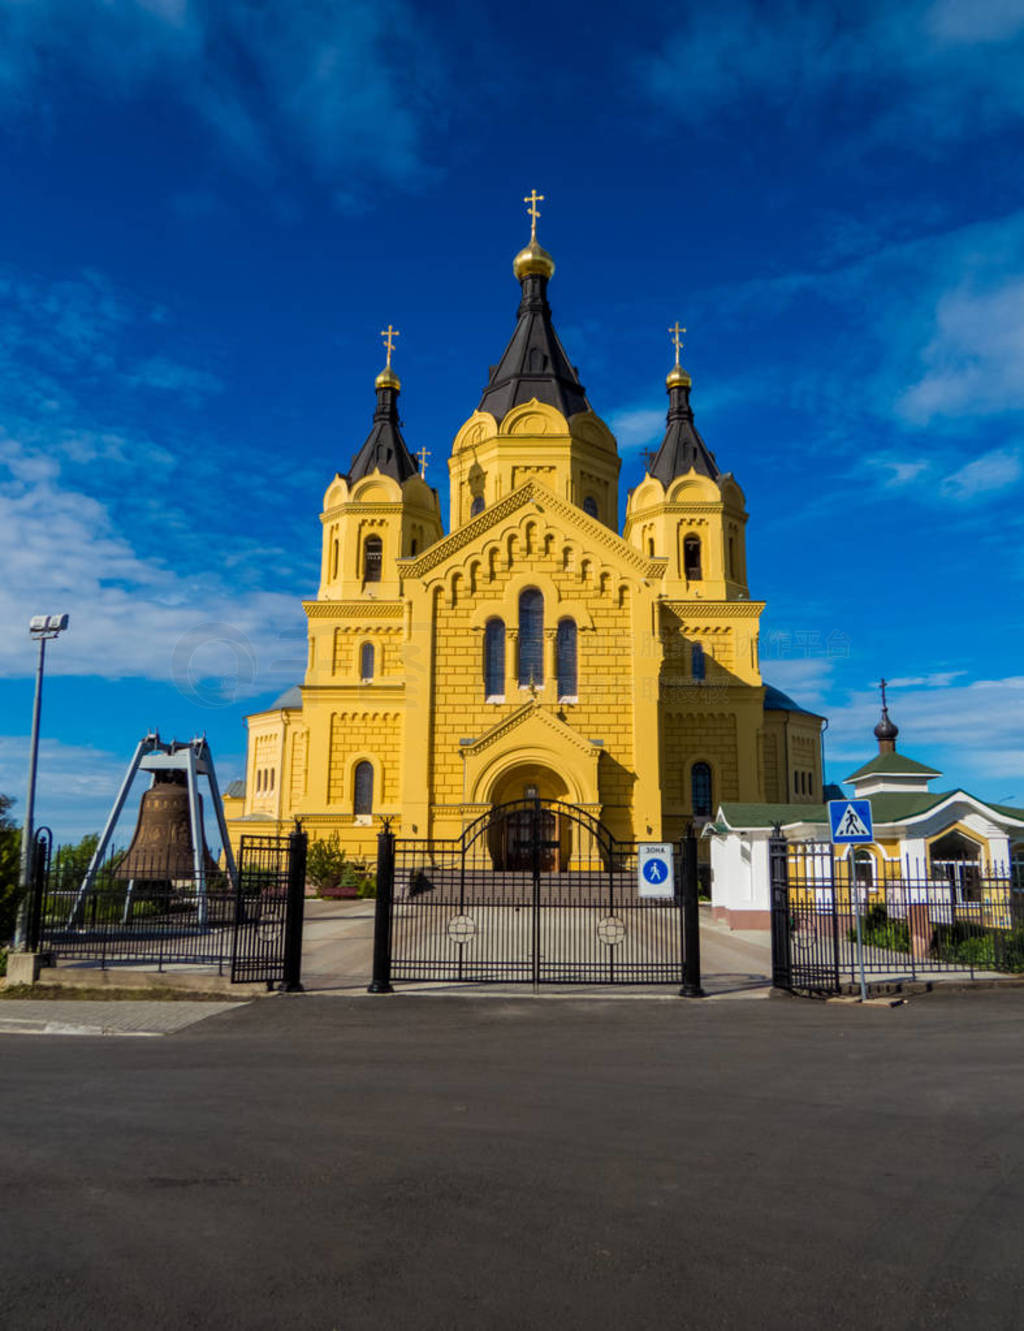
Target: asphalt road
[449, 1163]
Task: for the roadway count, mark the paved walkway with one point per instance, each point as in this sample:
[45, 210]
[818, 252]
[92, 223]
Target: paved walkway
[32, 1016]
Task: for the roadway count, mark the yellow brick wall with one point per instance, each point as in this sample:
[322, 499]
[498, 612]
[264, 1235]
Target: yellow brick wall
[358, 733]
[771, 770]
[604, 662]
[697, 736]
[299, 766]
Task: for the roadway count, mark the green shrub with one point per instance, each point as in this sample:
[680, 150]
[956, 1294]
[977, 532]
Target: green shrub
[326, 863]
[10, 869]
[879, 931]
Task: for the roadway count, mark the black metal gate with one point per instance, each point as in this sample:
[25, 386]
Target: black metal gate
[270, 909]
[534, 891]
[251, 930]
[913, 919]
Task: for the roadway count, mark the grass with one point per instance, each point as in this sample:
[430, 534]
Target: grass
[154, 994]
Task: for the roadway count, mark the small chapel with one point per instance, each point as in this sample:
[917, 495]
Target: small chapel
[534, 648]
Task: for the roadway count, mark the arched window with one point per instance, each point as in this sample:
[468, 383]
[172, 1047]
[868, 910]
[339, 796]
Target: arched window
[732, 557]
[698, 666]
[531, 638]
[565, 655]
[494, 659]
[373, 557]
[362, 802]
[700, 789]
[272, 778]
[477, 506]
[259, 779]
[691, 559]
[366, 661]
[412, 548]
[590, 506]
[334, 559]
[650, 546]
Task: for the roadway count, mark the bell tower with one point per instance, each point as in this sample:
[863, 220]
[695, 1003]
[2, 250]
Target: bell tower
[686, 510]
[534, 421]
[381, 511]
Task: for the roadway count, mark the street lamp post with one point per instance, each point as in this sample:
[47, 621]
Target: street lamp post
[42, 628]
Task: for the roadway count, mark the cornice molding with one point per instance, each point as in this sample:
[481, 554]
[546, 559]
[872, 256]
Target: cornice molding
[714, 609]
[354, 609]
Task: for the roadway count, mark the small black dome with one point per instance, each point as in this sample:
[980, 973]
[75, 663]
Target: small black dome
[886, 729]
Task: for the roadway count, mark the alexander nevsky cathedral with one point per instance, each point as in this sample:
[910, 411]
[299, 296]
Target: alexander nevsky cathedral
[533, 648]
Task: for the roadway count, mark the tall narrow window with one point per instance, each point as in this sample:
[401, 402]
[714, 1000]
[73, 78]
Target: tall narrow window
[334, 559]
[477, 506]
[732, 557]
[565, 653]
[700, 788]
[698, 665]
[366, 661]
[362, 802]
[373, 557]
[590, 506]
[531, 638]
[691, 559]
[494, 659]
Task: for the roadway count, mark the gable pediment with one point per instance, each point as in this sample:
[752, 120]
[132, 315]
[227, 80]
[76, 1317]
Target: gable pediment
[528, 725]
[592, 536]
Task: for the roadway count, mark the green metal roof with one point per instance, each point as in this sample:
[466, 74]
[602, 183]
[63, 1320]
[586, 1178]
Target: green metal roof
[895, 763]
[890, 807]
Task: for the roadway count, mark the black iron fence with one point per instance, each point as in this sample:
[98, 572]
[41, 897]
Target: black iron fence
[913, 920]
[535, 891]
[249, 928]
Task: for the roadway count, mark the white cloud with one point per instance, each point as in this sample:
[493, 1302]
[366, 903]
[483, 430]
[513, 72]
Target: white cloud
[352, 86]
[975, 21]
[900, 473]
[130, 616]
[973, 359]
[933, 72]
[994, 471]
[805, 679]
[973, 732]
[637, 425]
[939, 679]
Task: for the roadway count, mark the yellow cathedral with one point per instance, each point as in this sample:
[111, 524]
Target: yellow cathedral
[532, 649]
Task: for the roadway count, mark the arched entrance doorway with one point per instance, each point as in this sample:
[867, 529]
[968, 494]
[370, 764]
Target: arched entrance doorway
[522, 828]
[957, 859]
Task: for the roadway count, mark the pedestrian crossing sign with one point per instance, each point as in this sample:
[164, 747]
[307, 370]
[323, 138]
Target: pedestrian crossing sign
[850, 822]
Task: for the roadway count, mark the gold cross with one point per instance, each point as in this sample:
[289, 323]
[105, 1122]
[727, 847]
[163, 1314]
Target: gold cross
[422, 456]
[389, 334]
[677, 338]
[533, 198]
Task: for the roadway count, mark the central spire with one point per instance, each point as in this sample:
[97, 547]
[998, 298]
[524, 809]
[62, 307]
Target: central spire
[534, 364]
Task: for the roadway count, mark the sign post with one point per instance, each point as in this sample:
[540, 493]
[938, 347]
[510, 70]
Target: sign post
[850, 825]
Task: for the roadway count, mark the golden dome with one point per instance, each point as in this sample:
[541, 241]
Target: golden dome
[533, 258]
[388, 379]
[678, 378]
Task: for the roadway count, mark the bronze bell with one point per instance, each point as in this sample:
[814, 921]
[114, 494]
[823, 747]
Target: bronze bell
[162, 845]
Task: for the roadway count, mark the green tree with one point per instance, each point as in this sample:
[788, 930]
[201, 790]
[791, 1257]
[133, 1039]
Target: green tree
[10, 865]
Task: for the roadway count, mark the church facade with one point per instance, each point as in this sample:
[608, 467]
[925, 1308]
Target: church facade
[533, 648]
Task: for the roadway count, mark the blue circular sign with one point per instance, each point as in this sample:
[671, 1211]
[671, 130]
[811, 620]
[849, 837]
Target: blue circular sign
[655, 871]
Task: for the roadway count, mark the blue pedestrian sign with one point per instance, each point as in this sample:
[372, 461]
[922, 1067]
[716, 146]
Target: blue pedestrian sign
[654, 869]
[850, 822]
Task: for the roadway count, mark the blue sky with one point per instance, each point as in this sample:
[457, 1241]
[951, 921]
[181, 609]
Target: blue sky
[210, 210]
